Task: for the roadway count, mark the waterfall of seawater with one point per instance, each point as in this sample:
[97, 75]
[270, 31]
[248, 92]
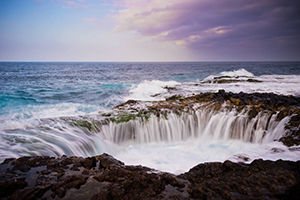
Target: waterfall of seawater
[206, 123]
[58, 137]
[50, 137]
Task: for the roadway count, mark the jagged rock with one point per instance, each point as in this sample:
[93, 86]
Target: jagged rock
[108, 162]
[241, 181]
[89, 162]
[9, 183]
[114, 180]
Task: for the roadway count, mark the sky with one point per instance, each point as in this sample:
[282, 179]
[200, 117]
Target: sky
[149, 30]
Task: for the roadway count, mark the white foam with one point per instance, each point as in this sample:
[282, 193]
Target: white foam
[241, 74]
[24, 133]
[181, 156]
[178, 143]
[29, 115]
[235, 73]
[278, 84]
[150, 90]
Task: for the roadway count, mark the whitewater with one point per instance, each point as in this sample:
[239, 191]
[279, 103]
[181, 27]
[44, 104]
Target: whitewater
[43, 103]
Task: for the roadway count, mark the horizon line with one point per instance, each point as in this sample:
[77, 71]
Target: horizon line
[143, 61]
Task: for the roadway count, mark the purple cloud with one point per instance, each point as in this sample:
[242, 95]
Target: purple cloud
[211, 24]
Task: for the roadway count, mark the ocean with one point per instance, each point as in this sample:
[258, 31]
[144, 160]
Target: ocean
[38, 101]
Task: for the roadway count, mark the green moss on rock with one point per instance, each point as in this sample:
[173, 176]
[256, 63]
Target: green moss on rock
[175, 97]
[84, 123]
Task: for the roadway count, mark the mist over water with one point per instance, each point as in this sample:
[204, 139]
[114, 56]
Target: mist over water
[40, 101]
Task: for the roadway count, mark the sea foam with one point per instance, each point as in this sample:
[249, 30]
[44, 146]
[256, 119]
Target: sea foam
[42, 127]
[150, 90]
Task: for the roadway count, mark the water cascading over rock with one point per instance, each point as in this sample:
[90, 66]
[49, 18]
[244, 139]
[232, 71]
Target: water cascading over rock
[203, 123]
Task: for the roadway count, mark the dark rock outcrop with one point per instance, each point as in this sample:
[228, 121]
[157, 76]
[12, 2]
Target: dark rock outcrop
[104, 177]
[254, 103]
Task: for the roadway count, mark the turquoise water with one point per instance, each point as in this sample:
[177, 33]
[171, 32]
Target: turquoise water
[37, 98]
[104, 85]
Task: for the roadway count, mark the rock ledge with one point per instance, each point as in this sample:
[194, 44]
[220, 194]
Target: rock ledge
[104, 177]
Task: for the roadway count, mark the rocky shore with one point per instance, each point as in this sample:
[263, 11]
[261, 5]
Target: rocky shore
[251, 104]
[104, 177]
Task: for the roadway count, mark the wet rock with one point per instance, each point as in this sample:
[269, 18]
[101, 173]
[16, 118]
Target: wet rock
[31, 193]
[252, 113]
[114, 180]
[174, 97]
[108, 162]
[89, 162]
[111, 179]
[25, 163]
[242, 181]
[253, 80]
[292, 136]
[9, 183]
[129, 102]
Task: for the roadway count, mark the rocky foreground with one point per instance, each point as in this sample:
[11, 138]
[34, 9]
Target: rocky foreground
[104, 177]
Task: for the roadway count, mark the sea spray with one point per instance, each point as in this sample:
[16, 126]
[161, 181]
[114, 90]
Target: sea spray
[150, 90]
[52, 109]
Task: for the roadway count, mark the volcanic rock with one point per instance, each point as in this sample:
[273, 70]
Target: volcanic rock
[86, 178]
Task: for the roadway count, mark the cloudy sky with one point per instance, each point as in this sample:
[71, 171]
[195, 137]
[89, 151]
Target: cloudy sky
[149, 30]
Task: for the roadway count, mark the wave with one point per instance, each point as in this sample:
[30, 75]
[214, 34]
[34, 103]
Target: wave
[234, 73]
[174, 143]
[244, 81]
[241, 73]
[30, 114]
[150, 90]
[109, 95]
[231, 81]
